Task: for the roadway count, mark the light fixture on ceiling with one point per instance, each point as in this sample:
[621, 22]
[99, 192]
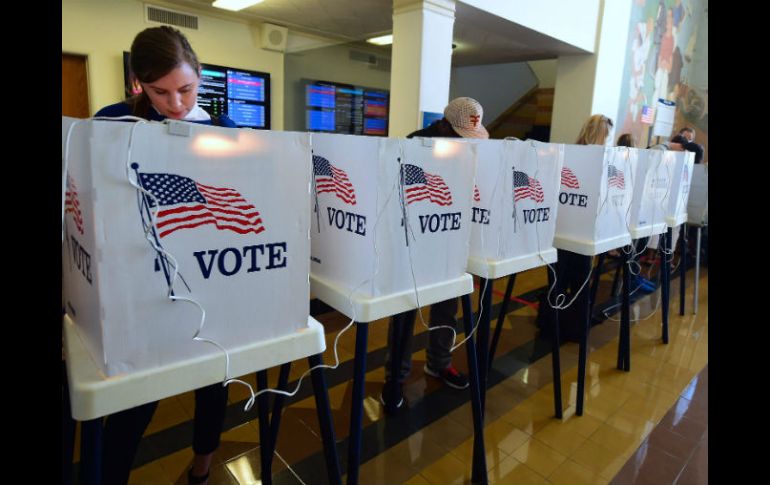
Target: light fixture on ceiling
[381, 40]
[235, 5]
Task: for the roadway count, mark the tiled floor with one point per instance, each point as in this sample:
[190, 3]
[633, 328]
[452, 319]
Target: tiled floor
[676, 451]
[648, 425]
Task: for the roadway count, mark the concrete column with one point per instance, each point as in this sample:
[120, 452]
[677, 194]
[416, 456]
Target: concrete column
[421, 61]
[591, 83]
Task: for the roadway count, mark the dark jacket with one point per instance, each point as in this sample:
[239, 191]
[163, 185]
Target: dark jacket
[697, 149]
[124, 109]
[440, 128]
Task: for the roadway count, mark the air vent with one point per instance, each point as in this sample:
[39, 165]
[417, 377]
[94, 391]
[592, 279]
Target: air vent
[170, 17]
[383, 64]
[363, 57]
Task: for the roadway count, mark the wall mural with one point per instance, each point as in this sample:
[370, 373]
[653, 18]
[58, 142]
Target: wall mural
[667, 58]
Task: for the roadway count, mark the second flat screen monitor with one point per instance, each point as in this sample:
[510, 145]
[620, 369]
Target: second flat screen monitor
[344, 108]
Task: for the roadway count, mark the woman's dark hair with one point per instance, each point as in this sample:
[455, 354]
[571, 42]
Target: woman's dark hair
[154, 53]
[626, 140]
[679, 139]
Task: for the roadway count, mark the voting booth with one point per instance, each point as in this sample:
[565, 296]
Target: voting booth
[594, 199]
[221, 217]
[390, 216]
[698, 201]
[651, 183]
[679, 166]
[514, 206]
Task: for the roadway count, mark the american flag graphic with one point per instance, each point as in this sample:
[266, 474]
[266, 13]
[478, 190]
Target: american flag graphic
[568, 179]
[185, 203]
[476, 194]
[329, 178]
[420, 185]
[526, 187]
[615, 177]
[72, 204]
[646, 117]
[684, 174]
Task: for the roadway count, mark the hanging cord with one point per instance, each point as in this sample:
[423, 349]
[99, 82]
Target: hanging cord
[410, 231]
[254, 395]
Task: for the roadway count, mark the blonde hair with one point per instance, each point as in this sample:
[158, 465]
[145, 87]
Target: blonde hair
[595, 131]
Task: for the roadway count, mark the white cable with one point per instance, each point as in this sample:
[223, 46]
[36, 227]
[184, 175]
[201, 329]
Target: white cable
[254, 395]
[408, 228]
[501, 171]
[149, 231]
[560, 298]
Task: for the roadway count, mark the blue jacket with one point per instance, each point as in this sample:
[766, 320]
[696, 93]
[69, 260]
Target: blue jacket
[124, 109]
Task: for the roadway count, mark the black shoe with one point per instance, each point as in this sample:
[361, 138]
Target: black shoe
[196, 479]
[385, 394]
[451, 376]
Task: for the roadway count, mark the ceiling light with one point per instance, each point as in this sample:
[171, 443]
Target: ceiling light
[382, 40]
[235, 5]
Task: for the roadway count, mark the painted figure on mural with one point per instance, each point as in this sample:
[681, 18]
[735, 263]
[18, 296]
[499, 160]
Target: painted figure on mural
[639, 51]
[665, 59]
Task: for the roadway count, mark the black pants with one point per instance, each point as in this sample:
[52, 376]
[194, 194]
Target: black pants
[439, 349]
[123, 431]
[572, 270]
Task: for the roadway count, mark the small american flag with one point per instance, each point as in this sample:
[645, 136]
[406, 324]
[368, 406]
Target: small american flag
[476, 194]
[72, 205]
[568, 179]
[646, 117]
[420, 185]
[526, 187]
[615, 177]
[186, 203]
[329, 178]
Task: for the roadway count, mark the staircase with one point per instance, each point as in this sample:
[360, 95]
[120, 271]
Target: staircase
[529, 117]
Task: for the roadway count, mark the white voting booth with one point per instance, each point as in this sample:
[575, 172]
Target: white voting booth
[514, 206]
[698, 201]
[386, 209]
[232, 213]
[679, 166]
[651, 183]
[594, 200]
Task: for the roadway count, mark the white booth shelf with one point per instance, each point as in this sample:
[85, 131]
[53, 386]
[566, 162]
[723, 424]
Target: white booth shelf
[491, 269]
[366, 308]
[94, 395]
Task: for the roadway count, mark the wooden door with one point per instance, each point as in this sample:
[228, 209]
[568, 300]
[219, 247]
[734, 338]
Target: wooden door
[74, 86]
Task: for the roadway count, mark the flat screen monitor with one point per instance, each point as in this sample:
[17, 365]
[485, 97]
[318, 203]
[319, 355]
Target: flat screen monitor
[241, 94]
[344, 108]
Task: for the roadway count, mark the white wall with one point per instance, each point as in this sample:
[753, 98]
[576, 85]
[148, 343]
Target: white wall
[612, 58]
[545, 71]
[495, 86]
[572, 101]
[570, 21]
[325, 64]
[102, 30]
[422, 61]
[591, 83]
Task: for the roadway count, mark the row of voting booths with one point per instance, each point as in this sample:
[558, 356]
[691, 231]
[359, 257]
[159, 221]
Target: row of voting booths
[188, 249]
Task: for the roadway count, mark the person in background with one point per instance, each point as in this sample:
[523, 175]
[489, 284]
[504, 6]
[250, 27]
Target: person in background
[573, 269]
[637, 281]
[462, 119]
[688, 133]
[689, 145]
[168, 72]
[626, 140]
